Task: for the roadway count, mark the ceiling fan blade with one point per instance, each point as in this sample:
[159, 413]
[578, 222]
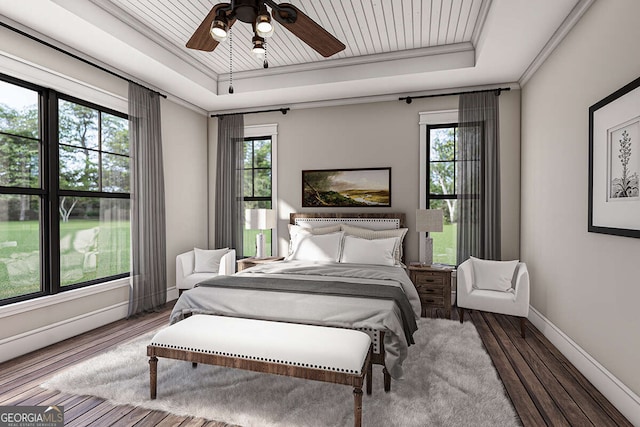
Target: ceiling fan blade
[201, 38]
[307, 30]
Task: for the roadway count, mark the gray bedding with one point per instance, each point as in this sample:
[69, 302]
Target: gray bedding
[329, 310]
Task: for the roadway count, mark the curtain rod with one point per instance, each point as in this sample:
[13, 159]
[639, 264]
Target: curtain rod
[74, 56]
[282, 110]
[409, 99]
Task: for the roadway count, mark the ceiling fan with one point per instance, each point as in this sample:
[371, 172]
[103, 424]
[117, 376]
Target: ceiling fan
[216, 25]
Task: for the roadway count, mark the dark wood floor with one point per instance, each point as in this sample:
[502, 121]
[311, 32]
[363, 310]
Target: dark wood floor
[544, 387]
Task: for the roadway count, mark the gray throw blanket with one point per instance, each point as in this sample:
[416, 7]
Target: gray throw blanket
[324, 288]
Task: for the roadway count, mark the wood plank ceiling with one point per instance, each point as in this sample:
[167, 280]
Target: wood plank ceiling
[365, 27]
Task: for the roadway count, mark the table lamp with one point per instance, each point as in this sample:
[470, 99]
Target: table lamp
[260, 219]
[429, 220]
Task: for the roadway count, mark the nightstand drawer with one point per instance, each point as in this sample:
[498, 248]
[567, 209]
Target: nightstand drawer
[428, 279]
[430, 289]
[432, 301]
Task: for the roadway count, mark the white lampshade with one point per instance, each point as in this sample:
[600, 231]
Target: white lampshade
[260, 219]
[429, 220]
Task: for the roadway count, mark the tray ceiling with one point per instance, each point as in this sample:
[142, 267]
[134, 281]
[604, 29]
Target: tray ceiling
[392, 46]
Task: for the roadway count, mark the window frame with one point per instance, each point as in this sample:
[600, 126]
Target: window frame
[268, 131]
[426, 119]
[49, 190]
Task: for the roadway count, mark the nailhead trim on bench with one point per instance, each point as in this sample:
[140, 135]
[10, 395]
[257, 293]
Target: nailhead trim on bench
[262, 359]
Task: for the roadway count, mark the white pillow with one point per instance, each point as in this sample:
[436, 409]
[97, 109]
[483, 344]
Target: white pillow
[493, 275]
[297, 230]
[317, 247]
[366, 233]
[208, 261]
[364, 251]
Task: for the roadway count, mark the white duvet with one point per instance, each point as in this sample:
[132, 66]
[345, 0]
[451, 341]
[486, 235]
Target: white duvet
[328, 310]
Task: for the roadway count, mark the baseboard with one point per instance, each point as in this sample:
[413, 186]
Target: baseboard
[38, 338]
[623, 398]
[172, 294]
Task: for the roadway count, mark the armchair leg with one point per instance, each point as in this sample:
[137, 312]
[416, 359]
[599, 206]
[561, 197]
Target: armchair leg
[461, 314]
[523, 321]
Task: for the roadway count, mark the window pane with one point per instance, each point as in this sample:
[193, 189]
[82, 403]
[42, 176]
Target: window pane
[77, 125]
[78, 169]
[115, 134]
[115, 173]
[247, 183]
[248, 154]
[94, 239]
[445, 244]
[19, 112]
[262, 183]
[442, 144]
[19, 245]
[442, 178]
[262, 154]
[249, 236]
[19, 162]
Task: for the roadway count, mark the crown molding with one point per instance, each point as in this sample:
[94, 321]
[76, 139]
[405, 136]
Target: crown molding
[567, 25]
[337, 102]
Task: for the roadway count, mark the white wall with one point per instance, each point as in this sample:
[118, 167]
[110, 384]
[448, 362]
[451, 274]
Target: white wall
[379, 135]
[586, 284]
[36, 323]
[184, 144]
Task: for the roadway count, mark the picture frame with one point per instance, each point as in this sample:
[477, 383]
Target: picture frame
[614, 163]
[332, 188]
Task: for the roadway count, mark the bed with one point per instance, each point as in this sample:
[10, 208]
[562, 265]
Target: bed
[358, 288]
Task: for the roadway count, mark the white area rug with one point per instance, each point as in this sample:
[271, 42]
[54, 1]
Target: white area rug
[449, 381]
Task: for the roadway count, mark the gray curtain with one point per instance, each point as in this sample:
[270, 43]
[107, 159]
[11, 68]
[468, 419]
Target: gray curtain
[478, 184]
[148, 231]
[229, 212]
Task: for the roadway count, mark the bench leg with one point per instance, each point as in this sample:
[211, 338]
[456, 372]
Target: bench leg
[357, 414]
[387, 380]
[194, 365]
[153, 376]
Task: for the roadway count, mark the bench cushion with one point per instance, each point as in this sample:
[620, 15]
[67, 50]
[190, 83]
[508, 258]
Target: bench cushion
[330, 349]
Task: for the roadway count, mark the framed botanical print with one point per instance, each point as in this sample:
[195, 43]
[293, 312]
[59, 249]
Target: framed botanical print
[614, 163]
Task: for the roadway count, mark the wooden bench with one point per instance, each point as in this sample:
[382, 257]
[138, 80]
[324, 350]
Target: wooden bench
[334, 355]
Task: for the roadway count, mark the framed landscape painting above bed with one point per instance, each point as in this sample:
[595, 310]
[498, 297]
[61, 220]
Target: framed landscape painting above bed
[346, 188]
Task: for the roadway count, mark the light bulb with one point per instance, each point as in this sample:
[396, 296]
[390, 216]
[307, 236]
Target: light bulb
[264, 28]
[258, 52]
[219, 30]
[258, 47]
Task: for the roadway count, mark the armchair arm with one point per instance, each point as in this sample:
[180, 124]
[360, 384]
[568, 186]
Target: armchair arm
[522, 286]
[464, 279]
[228, 263]
[184, 266]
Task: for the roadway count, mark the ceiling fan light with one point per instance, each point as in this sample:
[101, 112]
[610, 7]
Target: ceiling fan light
[258, 47]
[219, 30]
[264, 27]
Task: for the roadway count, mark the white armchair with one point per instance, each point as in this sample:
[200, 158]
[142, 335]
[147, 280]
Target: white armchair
[513, 302]
[186, 278]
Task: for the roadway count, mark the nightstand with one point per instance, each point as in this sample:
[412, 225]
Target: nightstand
[433, 286]
[253, 261]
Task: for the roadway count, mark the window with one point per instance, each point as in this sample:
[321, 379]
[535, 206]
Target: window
[441, 165]
[257, 187]
[93, 192]
[64, 192]
[21, 193]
